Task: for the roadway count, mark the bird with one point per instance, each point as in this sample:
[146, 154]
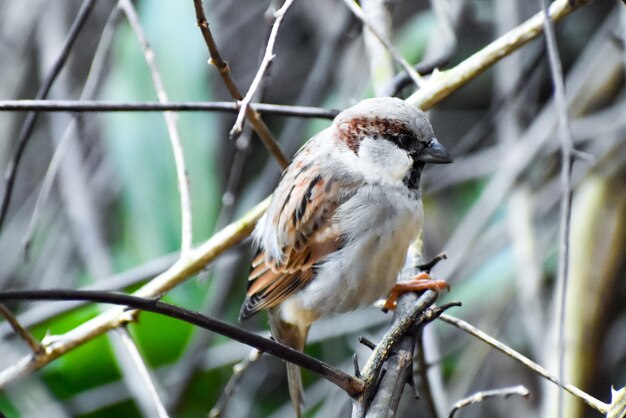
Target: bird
[339, 224]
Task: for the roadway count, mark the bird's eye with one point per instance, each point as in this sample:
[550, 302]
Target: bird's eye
[405, 141]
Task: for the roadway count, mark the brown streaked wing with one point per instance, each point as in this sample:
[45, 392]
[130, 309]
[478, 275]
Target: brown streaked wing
[305, 218]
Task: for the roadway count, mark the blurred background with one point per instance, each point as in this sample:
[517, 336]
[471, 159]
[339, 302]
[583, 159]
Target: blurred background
[108, 216]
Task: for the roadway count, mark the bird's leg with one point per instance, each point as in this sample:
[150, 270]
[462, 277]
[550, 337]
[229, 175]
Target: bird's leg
[421, 282]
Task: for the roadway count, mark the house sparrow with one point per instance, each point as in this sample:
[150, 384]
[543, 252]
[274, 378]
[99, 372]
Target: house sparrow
[340, 222]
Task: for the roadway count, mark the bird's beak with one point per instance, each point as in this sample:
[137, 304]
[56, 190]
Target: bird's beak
[434, 153]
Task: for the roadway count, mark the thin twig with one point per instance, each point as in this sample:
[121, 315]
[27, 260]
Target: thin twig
[485, 394]
[216, 59]
[267, 58]
[426, 392]
[29, 122]
[171, 120]
[35, 346]
[441, 46]
[111, 106]
[358, 12]
[88, 90]
[150, 400]
[349, 384]
[239, 371]
[470, 329]
[565, 132]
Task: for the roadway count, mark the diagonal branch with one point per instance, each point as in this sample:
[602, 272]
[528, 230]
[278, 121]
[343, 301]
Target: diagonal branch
[265, 62]
[470, 329]
[31, 118]
[171, 121]
[351, 385]
[34, 345]
[222, 67]
[444, 83]
[358, 12]
[481, 396]
[139, 380]
[95, 71]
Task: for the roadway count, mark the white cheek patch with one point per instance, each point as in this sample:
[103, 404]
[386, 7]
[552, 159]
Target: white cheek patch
[382, 160]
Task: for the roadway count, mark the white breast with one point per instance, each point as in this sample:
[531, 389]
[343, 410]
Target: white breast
[379, 223]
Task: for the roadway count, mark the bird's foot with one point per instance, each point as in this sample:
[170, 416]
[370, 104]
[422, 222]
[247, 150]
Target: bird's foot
[419, 283]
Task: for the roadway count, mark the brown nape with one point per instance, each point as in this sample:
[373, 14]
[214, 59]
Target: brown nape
[354, 130]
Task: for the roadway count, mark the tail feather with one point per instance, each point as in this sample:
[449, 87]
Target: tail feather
[294, 337]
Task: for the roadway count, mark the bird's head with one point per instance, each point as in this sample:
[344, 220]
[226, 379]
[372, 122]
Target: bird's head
[392, 139]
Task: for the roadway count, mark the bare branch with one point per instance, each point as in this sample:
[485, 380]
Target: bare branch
[239, 370]
[358, 12]
[216, 59]
[171, 120]
[89, 88]
[565, 132]
[470, 329]
[197, 259]
[442, 84]
[396, 351]
[140, 382]
[426, 392]
[110, 106]
[31, 118]
[267, 58]
[45, 311]
[35, 346]
[485, 394]
[618, 404]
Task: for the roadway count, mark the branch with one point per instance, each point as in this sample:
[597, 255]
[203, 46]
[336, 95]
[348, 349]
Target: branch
[396, 350]
[444, 83]
[349, 384]
[29, 123]
[265, 62]
[91, 82]
[399, 365]
[481, 396]
[239, 371]
[358, 12]
[137, 376]
[110, 106]
[618, 404]
[117, 282]
[470, 329]
[216, 59]
[565, 132]
[171, 121]
[34, 345]
[426, 391]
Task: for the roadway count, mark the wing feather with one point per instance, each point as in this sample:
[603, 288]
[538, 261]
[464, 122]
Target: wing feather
[297, 232]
